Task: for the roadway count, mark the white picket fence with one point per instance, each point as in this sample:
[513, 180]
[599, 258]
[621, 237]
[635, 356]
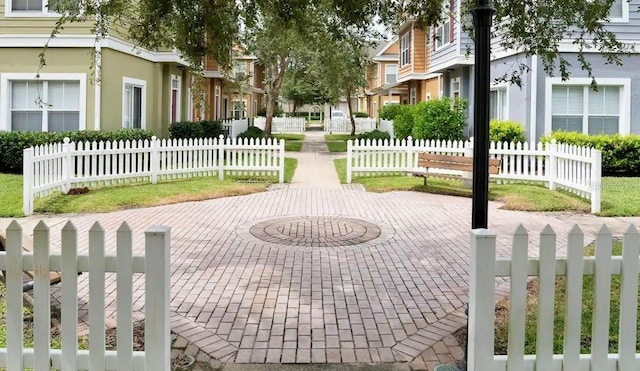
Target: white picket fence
[282, 125]
[156, 266]
[387, 125]
[59, 167]
[343, 125]
[575, 169]
[485, 268]
[235, 127]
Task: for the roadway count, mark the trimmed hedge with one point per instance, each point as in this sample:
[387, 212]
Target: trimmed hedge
[252, 132]
[375, 135]
[443, 119]
[361, 114]
[12, 143]
[390, 111]
[620, 154]
[506, 131]
[195, 129]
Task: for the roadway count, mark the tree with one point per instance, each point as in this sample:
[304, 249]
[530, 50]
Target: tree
[202, 28]
[299, 88]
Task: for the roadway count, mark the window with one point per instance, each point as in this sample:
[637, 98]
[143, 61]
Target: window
[238, 109]
[619, 11]
[255, 108]
[175, 99]
[455, 87]
[134, 103]
[391, 73]
[29, 8]
[579, 108]
[405, 49]
[216, 103]
[574, 106]
[240, 70]
[443, 31]
[498, 104]
[412, 99]
[54, 102]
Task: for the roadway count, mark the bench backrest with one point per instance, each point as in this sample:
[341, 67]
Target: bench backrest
[454, 162]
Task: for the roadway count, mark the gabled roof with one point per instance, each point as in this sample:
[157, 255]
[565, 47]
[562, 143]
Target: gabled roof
[387, 46]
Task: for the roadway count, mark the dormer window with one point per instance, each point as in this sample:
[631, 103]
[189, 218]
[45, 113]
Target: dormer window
[405, 49]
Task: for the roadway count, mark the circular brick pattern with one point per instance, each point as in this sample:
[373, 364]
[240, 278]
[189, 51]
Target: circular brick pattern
[315, 231]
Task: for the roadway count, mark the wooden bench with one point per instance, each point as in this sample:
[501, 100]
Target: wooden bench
[54, 277]
[445, 162]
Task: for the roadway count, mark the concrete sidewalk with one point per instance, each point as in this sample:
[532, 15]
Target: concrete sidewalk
[315, 164]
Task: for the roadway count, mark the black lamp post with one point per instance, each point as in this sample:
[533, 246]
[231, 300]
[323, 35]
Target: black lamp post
[482, 17]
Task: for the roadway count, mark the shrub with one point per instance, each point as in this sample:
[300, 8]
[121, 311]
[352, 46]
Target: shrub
[360, 114]
[375, 135]
[506, 131]
[443, 119]
[403, 121]
[252, 132]
[276, 113]
[390, 111]
[620, 154]
[211, 129]
[186, 130]
[12, 143]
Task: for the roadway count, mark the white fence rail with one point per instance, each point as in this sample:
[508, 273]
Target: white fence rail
[235, 127]
[546, 267]
[387, 125]
[59, 167]
[572, 168]
[282, 125]
[343, 125]
[156, 266]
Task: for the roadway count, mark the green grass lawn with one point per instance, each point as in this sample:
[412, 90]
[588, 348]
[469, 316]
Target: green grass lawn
[293, 142]
[588, 298]
[524, 197]
[136, 195]
[338, 142]
[620, 196]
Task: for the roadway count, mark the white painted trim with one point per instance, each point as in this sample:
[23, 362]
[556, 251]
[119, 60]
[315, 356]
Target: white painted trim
[136, 83]
[379, 77]
[625, 102]
[412, 50]
[385, 58]
[459, 60]
[625, 14]
[418, 76]
[401, 50]
[533, 101]
[88, 41]
[97, 87]
[458, 27]
[189, 104]
[451, 82]
[173, 78]
[386, 66]
[6, 78]
[44, 13]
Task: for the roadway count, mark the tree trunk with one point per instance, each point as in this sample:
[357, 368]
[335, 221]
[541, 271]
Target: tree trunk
[273, 91]
[353, 120]
[295, 108]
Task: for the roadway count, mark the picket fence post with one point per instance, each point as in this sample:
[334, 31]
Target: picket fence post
[552, 149]
[349, 159]
[481, 300]
[155, 159]
[281, 155]
[157, 271]
[596, 180]
[221, 157]
[66, 164]
[410, 163]
[27, 181]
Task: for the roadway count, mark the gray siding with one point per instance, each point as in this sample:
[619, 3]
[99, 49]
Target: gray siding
[630, 30]
[519, 98]
[630, 69]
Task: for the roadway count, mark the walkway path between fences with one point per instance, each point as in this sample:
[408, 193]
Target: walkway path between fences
[315, 164]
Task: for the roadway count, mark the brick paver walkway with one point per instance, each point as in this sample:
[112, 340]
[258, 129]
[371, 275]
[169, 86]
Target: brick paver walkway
[315, 275]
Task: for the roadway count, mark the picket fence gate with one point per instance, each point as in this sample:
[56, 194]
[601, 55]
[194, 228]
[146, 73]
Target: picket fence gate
[387, 125]
[557, 165]
[282, 125]
[58, 167]
[235, 127]
[485, 268]
[343, 125]
[155, 264]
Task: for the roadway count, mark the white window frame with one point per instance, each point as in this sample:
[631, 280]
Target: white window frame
[625, 13]
[624, 124]
[405, 46]
[216, 102]
[456, 80]
[413, 96]
[178, 97]
[244, 103]
[505, 88]
[189, 104]
[129, 81]
[5, 86]
[386, 73]
[255, 108]
[9, 12]
[447, 21]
